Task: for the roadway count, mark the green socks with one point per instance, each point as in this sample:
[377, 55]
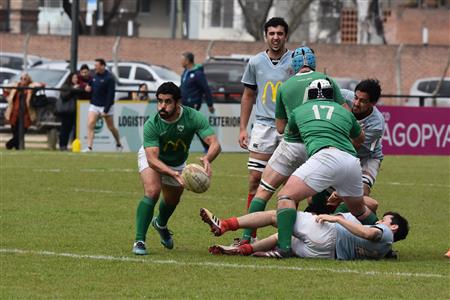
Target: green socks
[144, 215]
[342, 208]
[165, 211]
[370, 219]
[286, 219]
[256, 205]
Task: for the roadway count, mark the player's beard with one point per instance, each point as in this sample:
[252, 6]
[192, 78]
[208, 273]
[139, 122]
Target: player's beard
[164, 114]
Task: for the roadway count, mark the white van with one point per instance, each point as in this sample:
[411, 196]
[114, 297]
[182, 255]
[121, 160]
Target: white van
[426, 87]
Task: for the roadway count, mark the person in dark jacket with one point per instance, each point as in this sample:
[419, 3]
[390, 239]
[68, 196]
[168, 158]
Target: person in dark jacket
[194, 85]
[102, 87]
[70, 93]
[84, 77]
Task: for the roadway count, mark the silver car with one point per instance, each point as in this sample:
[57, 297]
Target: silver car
[426, 87]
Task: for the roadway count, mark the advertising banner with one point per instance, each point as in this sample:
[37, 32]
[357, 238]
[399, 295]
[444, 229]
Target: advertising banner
[130, 116]
[416, 130]
[409, 130]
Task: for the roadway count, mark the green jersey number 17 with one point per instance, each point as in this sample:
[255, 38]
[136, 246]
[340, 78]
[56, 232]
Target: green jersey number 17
[321, 108]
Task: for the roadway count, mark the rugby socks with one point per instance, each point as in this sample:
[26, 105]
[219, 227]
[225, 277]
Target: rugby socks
[165, 211]
[285, 219]
[249, 200]
[342, 208]
[256, 205]
[229, 224]
[144, 215]
[371, 219]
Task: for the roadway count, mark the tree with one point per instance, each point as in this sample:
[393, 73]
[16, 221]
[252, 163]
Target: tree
[256, 11]
[255, 15]
[109, 16]
[370, 23]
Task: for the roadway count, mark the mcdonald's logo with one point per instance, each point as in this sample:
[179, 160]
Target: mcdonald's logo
[273, 89]
[175, 145]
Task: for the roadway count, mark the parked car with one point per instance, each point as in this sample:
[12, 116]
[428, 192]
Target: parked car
[16, 60]
[7, 73]
[131, 72]
[53, 74]
[224, 76]
[426, 87]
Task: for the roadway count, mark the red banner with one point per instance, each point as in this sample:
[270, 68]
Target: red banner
[416, 130]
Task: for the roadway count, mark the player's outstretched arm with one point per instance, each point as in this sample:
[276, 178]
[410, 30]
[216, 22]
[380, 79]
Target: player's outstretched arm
[248, 98]
[213, 151]
[365, 232]
[152, 154]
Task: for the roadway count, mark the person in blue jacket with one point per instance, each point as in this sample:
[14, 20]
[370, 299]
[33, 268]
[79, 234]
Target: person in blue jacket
[194, 86]
[102, 87]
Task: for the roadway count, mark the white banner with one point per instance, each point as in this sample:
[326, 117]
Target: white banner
[130, 116]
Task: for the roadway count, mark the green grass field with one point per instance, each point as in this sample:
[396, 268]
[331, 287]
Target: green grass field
[67, 227]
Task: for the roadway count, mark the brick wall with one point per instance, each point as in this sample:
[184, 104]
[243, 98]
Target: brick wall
[356, 61]
[404, 25]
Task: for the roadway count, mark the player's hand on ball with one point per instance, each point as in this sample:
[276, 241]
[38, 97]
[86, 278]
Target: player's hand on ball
[243, 139]
[179, 178]
[206, 165]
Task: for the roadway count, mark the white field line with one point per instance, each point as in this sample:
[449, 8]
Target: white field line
[221, 265]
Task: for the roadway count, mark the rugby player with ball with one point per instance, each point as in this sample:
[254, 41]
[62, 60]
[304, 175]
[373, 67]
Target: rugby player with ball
[167, 138]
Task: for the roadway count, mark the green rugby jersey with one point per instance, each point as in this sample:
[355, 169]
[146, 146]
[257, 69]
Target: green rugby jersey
[174, 138]
[294, 92]
[323, 123]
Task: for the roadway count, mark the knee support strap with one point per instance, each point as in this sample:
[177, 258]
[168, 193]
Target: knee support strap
[256, 164]
[368, 180]
[280, 198]
[267, 186]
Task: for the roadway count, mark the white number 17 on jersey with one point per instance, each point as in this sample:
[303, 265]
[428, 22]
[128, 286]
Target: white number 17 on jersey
[316, 107]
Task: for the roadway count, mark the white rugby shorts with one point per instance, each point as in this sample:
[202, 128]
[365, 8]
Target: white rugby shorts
[332, 167]
[264, 139]
[165, 179]
[99, 109]
[311, 239]
[288, 157]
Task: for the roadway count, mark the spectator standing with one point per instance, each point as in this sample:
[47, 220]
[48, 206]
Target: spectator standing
[194, 86]
[142, 93]
[102, 103]
[12, 113]
[66, 108]
[84, 77]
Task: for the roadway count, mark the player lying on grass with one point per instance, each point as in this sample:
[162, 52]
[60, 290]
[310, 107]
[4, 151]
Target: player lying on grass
[315, 236]
[167, 137]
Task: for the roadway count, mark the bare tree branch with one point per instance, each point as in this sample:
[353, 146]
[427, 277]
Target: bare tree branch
[67, 6]
[296, 11]
[255, 15]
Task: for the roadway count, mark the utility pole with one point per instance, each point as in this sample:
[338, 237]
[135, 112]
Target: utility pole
[173, 18]
[74, 37]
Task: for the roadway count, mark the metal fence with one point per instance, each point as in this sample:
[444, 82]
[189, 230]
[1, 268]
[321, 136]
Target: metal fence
[54, 122]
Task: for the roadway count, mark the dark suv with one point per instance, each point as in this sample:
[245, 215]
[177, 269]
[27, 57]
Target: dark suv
[224, 76]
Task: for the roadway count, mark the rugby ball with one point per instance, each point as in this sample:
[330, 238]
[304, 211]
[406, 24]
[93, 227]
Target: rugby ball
[195, 178]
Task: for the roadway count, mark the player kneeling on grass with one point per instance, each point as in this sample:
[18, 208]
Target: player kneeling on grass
[315, 236]
[167, 137]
